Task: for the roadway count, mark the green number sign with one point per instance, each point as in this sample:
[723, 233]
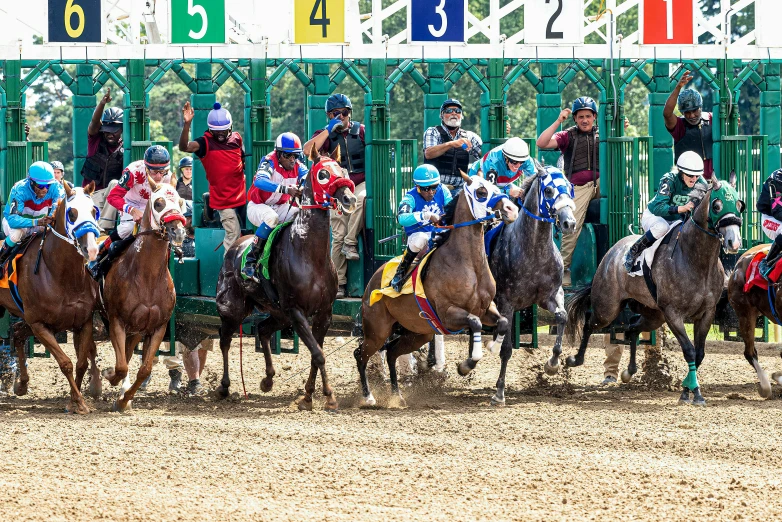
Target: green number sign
[198, 21]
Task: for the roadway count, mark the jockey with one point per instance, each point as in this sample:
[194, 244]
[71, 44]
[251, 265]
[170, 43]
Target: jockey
[671, 200]
[130, 195]
[418, 211]
[770, 207]
[271, 197]
[505, 164]
[30, 206]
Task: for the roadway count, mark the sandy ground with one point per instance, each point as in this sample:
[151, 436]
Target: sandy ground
[563, 447]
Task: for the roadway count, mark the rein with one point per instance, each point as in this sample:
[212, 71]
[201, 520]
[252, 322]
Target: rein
[539, 218]
[64, 238]
[491, 217]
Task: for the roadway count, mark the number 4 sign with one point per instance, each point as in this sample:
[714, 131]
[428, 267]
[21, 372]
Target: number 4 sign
[667, 22]
[437, 21]
[318, 21]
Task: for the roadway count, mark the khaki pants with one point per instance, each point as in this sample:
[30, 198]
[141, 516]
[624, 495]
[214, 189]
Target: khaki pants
[583, 195]
[344, 231]
[233, 229]
[108, 214]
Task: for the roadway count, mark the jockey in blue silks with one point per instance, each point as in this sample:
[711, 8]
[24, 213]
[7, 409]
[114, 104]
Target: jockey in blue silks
[418, 211]
[505, 164]
[30, 206]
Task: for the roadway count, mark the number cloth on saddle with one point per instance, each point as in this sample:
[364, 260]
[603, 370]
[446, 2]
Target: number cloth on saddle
[267, 250]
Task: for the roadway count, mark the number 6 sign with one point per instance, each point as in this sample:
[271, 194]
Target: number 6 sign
[74, 21]
[437, 21]
[198, 21]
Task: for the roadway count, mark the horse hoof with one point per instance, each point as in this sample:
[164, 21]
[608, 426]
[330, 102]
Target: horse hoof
[551, 370]
[571, 361]
[397, 402]
[222, 393]
[266, 384]
[20, 388]
[305, 404]
[699, 401]
[764, 392]
[95, 389]
[368, 401]
[626, 376]
[463, 369]
[496, 401]
[684, 399]
[331, 405]
[119, 407]
[777, 376]
[78, 407]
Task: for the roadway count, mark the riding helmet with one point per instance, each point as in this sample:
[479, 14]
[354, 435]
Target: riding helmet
[690, 163]
[338, 101]
[111, 121]
[185, 162]
[42, 173]
[426, 175]
[157, 158]
[689, 100]
[516, 149]
[57, 165]
[288, 142]
[584, 102]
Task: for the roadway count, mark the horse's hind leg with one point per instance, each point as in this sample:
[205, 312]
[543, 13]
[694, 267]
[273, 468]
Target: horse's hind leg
[320, 325]
[408, 342]
[318, 362]
[228, 327]
[649, 320]
[586, 333]
[46, 336]
[265, 330]
[20, 334]
[556, 305]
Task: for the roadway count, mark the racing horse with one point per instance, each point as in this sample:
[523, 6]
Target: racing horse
[459, 287]
[526, 263]
[54, 291]
[301, 273]
[688, 276]
[138, 297]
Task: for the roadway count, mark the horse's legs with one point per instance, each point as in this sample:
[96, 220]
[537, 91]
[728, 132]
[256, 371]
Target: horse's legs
[20, 335]
[556, 305]
[493, 317]
[748, 318]
[649, 320]
[506, 350]
[151, 345]
[408, 342]
[96, 381]
[117, 335]
[318, 362]
[228, 327]
[265, 330]
[85, 350]
[46, 336]
[690, 382]
[459, 316]
[586, 333]
[320, 325]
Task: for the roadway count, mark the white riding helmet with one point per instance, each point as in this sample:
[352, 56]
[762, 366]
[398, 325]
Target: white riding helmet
[516, 149]
[690, 163]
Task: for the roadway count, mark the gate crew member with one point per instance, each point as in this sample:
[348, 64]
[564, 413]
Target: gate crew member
[692, 130]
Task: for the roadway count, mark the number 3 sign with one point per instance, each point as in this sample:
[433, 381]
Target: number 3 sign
[553, 21]
[437, 21]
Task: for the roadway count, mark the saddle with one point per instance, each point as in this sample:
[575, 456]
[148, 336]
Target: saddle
[389, 270]
[753, 277]
[115, 250]
[265, 278]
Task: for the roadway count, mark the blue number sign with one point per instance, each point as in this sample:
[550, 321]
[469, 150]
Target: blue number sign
[437, 21]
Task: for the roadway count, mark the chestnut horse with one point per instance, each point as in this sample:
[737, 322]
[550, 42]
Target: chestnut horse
[459, 286]
[56, 291]
[138, 295]
[302, 274]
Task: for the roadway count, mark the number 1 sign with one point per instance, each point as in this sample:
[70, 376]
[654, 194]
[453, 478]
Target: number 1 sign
[437, 21]
[667, 22]
[553, 21]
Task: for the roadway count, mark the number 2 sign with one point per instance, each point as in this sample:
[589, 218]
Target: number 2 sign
[667, 22]
[198, 22]
[437, 21]
[553, 21]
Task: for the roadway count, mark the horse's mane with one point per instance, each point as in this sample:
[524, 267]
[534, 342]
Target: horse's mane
[699, 191]
[528, 181]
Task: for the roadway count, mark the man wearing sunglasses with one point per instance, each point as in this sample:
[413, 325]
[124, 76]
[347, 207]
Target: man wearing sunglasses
[505, 164]
[272, 197]
[349, 137]
[105, 157]
[449, 147]
[30, 206]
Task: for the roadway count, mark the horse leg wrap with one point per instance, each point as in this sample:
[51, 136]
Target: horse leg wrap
[439, 353]
[691, 381]
[496, 344]
[477, 348]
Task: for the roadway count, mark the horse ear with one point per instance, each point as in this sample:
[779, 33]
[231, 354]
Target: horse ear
[715, 183]
[89, 189]
[68, 190]
[465, 177]
[732, 178]
[336, 155]
[314, 155]
[152, 184]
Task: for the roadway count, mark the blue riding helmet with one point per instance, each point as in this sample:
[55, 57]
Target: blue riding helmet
[42, 173]
[338, 101]
[426, 175]
[689, 100]
[584, 102]
[157, 157]
[288, 142]
[185, 162]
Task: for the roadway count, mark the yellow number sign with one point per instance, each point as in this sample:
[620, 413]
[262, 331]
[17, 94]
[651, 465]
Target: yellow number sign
[318, 21]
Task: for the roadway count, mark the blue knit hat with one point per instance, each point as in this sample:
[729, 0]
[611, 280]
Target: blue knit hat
[219, 119]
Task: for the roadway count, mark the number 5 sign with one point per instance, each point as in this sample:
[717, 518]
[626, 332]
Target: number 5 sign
[198, 22]
[553, 21]
[74, 21]
[437, 21]
[667, 22]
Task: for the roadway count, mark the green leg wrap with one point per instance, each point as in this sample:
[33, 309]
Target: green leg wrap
[691, 381]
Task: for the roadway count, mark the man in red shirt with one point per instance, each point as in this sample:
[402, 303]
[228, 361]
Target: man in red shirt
[691, 130]
[222, 154]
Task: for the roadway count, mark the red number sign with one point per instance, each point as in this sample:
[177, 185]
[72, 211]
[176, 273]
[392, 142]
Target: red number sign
[668, 22]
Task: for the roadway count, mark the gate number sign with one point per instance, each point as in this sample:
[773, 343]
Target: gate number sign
[437, 21]
[198, 22]
[667, 22]
[318, 21]
[553, 21]
[74, 21]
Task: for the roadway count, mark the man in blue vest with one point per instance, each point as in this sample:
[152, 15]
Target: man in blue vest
[692, 130]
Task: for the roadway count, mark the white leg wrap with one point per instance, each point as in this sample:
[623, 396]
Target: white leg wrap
[439, 353]
[477, 348]
[495, 345]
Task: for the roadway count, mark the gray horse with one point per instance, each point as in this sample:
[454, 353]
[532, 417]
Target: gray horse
[688, 275]
[527, 247]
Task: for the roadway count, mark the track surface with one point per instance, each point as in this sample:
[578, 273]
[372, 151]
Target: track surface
[562, 448]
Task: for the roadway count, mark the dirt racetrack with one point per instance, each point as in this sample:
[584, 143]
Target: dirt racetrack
[562, 448]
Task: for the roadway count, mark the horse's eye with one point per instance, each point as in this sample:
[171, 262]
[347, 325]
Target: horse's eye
[160, 204]
[741, 206]
[73, 215]
[323, 176]
[716, 205]
[549, 192]
[482, 193]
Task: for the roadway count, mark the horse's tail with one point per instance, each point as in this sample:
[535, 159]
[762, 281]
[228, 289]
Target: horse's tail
[577, 304]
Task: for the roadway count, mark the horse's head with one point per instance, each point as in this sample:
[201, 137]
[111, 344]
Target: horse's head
[555, 198]
[81, 219]
[725, 209]
[484, 197]
[331, 186]
[165, 212]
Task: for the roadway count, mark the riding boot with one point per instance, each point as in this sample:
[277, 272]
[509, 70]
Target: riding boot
[5, 252]
[251, 264]
[639, 246]
[766, 265]
[398, 281]
[93, 266]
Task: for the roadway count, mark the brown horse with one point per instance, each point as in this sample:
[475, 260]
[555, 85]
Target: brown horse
[138, 294]
[459, 285]
[302, 274]
[56, 292]
[748, 306]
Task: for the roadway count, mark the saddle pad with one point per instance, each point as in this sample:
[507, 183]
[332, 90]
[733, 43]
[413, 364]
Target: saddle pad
[490, 238]
[389, 270]
[267, 250]
[648, 255]
[753, 278]
[9, 272]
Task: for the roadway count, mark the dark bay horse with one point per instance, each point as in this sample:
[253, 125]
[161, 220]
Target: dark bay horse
[459, 286]
[748, 306]
[526, 263]
[138, 292]
[689, 279]
[302, 274]
[57, 293]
